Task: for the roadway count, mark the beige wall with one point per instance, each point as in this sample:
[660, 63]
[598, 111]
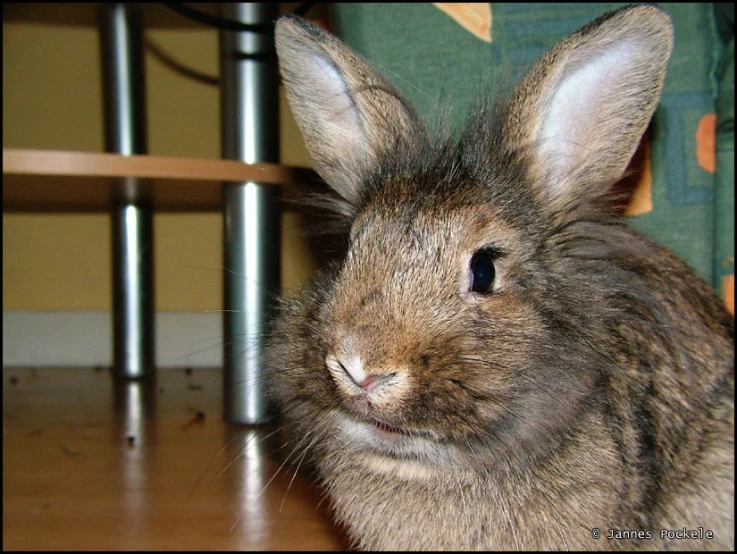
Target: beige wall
[52, 100]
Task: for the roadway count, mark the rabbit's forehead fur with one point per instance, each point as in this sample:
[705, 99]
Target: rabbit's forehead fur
[441, 177]
[412, 239]
[405, 265]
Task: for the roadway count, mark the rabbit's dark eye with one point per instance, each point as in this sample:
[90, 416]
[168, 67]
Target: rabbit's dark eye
[482, 271]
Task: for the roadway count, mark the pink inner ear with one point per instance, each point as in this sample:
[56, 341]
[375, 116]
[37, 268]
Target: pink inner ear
[341, 114]
[583, 106]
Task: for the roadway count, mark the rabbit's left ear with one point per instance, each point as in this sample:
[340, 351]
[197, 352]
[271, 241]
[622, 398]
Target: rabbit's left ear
[582, 109]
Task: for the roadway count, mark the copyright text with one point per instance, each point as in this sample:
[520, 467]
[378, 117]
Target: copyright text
[671, 534]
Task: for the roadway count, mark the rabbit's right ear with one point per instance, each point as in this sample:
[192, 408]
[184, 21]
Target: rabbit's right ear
[348, 113]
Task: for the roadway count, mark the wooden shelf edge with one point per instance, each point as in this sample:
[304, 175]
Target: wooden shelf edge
[60, 181]
[90, 164]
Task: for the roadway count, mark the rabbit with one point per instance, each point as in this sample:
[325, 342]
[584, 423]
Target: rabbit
[498, 361]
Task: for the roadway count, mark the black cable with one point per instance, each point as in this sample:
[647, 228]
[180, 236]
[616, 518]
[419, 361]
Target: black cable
[303, 9]
[229, 24]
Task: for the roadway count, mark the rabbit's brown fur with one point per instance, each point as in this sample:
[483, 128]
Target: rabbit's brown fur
[591, 387]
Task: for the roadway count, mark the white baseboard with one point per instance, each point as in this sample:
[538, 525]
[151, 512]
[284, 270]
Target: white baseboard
[74, 339]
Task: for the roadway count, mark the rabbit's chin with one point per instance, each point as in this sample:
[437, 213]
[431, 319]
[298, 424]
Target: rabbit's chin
[384, 448]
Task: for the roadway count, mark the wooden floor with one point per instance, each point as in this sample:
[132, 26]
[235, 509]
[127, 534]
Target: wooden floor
[90, 465]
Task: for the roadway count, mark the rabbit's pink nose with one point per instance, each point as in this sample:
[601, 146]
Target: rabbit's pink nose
[374, 381]
[351, 373]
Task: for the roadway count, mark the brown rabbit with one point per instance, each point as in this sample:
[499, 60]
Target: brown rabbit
[499, 362]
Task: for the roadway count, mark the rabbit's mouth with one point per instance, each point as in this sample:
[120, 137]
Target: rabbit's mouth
[388, 431]
[373, 440]
[360, 410]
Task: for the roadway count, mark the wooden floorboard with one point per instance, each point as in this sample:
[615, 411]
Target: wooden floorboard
[90, 465]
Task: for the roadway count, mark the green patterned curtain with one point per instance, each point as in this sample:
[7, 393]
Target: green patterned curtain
[441, 55]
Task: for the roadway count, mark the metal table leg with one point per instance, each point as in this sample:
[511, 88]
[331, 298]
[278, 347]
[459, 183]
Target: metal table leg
[252, 217]
[132, 218]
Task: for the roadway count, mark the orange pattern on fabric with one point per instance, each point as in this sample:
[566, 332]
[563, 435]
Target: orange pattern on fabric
[706, 134]
[475, 18]
[642, 199]
[728, 292]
